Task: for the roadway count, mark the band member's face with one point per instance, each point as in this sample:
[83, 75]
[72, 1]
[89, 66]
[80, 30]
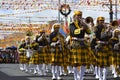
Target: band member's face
[78, 17]
[56, 29]
[100, 21]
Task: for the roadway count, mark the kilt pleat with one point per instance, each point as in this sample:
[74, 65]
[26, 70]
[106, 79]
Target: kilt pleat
[80, 56]
[44, 55]
[80, 53]
[104, 56]
[34, 59]
[103, 59]
[57, 56]
[116, 58]
[67, 56]
[23, 58]
[93, 58]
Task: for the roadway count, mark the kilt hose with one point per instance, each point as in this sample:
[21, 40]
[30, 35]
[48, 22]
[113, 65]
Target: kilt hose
[44, 55]
[34, 59]
[80, 53]
[104, 54]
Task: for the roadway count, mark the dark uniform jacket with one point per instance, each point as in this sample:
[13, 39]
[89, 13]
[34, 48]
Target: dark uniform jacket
[100, 35]
[42, 42]
[82, 33]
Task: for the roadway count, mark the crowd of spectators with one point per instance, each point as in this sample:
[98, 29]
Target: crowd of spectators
[9, 55]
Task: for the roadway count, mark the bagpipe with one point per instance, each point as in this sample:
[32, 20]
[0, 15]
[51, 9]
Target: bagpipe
[106, 31]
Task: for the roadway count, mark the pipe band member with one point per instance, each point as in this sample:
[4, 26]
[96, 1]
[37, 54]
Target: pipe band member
[80, 48]
[57, 48]
[103, 34]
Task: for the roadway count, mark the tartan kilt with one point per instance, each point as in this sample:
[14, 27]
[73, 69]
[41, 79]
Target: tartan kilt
[80, 54]
[57, 56]
[48, 55]
[104, 56]
[80, 57]
[44, 55]
[34, 59]
[23, 58]
[116, 58]
[118, 71]
[67, 56]
[92, 57]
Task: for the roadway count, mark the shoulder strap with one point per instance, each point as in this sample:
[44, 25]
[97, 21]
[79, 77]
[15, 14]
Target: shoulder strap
[76, 25]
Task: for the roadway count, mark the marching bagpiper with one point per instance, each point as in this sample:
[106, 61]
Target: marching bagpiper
[34, 59]
[115, 43]
[90, 23]
[22, 54]
[25, 53]
[57, 48]
[68, 52]
[29, 52]
[103, 34]
[80, 49]
[43, 50]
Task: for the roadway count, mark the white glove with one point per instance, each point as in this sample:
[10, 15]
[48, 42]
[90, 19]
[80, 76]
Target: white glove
[116, 46]
[53, 44]
[58, 42]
